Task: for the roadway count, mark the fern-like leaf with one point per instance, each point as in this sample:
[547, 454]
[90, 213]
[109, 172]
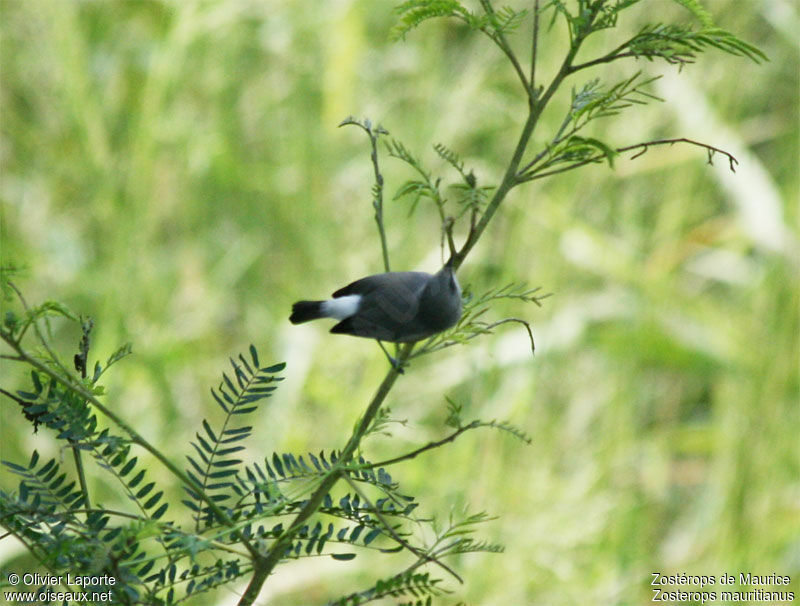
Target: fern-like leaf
[418, 585]
[679, 44]
[609, 11]
[590, 102]
[45, 486]
[113, 454]
[507, 20]
[122, 352]
[451, 157]
[214, 468]
[698, 12]
[58, 408]
[471, 324]
[415, 12]
[416, 189]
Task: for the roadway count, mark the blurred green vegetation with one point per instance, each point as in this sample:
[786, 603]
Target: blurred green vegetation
[174, 170]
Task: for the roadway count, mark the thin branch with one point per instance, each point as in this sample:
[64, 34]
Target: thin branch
[377, 200]
[535, 160]
[429, 446]
[11, 396]
[39, 334]
[482, 329]
[40, 558]
[711, 150]
[525, 323]
[166, 526]
[82, 362]
[534, 45]
[76, 455]
[607, 58]
[502, 43]
[425, 557]
[534, 175]
[448, 232]
[510, 179]
[264, 565]
[560, 136]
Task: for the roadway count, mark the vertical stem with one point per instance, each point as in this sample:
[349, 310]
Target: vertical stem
[510, 179]
[508, 182]
[264, 565]
[498, 38]
[377, 201]
[81, 362]
[534, 45]
[76, 453]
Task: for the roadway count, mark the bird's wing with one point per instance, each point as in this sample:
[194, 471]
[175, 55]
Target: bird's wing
[364, 327]
[408, 281]
[388, 307]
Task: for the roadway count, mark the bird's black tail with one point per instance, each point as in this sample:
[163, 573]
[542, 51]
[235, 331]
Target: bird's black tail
[304, 311]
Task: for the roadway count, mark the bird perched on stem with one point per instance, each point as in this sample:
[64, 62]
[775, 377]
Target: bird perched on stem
[398, 307]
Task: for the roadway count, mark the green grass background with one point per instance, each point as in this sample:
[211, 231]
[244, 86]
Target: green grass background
[174, 170]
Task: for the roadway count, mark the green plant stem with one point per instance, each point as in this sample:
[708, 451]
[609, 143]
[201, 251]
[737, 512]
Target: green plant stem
[608, 57]
[645, 145]
[377, 202]
[424, 557]
[499, 38]
[377, 199]
[511, 179]
[429, 446]
[264, 565]
[164, 526]
[534, 46]
[533, 176]
[76, 454]
[710, 149]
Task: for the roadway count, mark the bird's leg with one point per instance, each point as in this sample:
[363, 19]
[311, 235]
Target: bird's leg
[393, 361]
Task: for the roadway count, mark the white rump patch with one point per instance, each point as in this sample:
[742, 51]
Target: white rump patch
[341, 307]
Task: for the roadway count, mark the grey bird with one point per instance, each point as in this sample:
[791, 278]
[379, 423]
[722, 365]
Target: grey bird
[399, 307]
